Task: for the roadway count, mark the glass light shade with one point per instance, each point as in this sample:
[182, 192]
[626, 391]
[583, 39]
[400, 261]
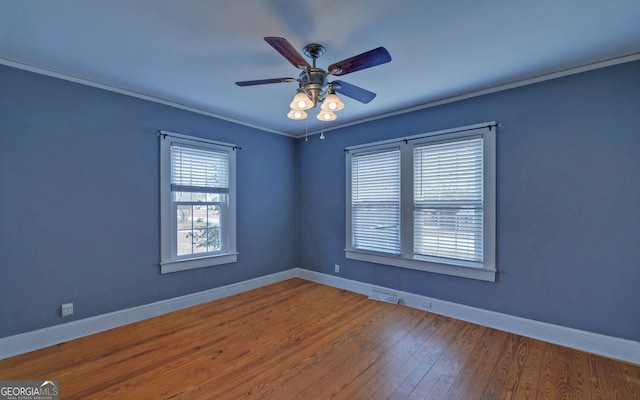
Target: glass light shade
[301, 101]
[326, 116]
[297, 114]
[332, 103]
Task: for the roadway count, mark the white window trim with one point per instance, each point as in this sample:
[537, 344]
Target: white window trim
[485, 271]
[169, 263]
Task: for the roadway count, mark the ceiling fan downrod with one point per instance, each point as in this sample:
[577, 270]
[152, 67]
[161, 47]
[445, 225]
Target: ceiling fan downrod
[313, 80]
[314, 51]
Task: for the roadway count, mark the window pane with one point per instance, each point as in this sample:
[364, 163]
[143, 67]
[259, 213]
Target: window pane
[448, 233]
[376, 227]
[199, 240]
[184, 217]
[198, 229]
[448, 172]
[199, 216]
[375, 201]
[448, 200]
[185, 242]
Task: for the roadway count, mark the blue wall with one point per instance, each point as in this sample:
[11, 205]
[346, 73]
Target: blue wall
[568, 201]
[79, 208]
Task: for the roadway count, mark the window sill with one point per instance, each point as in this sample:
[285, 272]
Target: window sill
[193, 263]
[462, 270]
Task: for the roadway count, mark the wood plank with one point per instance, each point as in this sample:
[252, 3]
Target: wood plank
[495, 384]
[563, 382]
[361, 355]
[620, 383]
[598, 378]
[384, 376]
[473, 376]
[440, 377]
[549, 359]
[424, 359]
[298, 339]
[631, 375]
[527, 388]
[580, 371]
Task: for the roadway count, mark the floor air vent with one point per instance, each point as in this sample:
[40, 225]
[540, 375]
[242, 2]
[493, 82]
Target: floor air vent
[387, 297]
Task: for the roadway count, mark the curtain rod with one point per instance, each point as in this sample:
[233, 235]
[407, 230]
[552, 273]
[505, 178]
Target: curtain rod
[406, 139]
[164, 135]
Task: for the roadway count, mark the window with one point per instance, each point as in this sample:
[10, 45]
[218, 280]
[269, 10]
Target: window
[197, 185]
[447, 198]
[425, 202]
[375, 199]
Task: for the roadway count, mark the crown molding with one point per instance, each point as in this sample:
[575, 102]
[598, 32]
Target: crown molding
[493, 89]
[115, 89]
[468, 95]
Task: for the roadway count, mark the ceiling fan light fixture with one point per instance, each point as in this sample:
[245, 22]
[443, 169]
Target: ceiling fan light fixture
[297, 114]
[326, 116]
[332, 103]
[313, 87]
[301, 101]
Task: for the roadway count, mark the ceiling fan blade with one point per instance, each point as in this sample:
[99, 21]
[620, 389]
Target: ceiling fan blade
[285, 48]
[265, 81]
[355, 92]
[368, 59]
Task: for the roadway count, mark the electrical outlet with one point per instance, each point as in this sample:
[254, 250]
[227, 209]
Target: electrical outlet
[425, 304]
[337, 268]
[66, 310]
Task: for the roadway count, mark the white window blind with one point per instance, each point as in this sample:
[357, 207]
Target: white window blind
[448, 200]
[375, 201]
[197, 170]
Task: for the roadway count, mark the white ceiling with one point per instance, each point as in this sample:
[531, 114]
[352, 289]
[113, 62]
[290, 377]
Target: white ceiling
[191, 52]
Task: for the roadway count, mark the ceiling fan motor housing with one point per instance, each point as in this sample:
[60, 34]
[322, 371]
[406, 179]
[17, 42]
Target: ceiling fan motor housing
[312, 82]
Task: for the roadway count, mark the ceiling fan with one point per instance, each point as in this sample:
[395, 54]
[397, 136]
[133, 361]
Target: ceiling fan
[313, 86]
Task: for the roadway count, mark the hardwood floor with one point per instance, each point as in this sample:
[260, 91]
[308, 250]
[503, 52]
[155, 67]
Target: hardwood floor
[300, 340]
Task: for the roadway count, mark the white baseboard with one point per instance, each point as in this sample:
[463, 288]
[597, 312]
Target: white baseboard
[29, 341]
[621, 349]
[608, 346]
